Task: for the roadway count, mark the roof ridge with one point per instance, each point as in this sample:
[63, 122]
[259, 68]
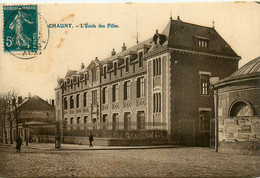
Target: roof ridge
[193, 24]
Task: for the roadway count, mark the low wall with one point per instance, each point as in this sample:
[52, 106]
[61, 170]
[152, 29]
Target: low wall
[101, 141]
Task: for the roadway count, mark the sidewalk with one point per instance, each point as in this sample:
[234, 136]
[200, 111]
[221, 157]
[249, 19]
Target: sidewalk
[74, 147]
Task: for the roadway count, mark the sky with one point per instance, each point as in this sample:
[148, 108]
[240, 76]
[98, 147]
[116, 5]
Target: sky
[237, 22]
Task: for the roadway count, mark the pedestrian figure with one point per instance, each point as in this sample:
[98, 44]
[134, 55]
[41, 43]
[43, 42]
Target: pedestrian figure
[18, 144]
[91, 139]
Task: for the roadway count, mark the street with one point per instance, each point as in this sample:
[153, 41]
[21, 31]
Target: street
[166, 162]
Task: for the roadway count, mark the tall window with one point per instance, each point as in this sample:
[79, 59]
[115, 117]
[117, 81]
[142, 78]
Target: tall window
[115, 122]
[140, 87]
[140, 59]
[105, 72]
[94, 97]
[85, 99]
[157, 106]
[71, 102]
[94, 75]
[115, 68]
[104, 95]
[127, 64]
[140, 120]
[204, 121]
[127, 90]
[77, 100]
[71, 120]
[65, 103]
[204, 84]
[127, 120]
[157, 67]
[115, 91]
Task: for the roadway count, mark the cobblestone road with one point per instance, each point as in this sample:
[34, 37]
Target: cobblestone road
[170, 162]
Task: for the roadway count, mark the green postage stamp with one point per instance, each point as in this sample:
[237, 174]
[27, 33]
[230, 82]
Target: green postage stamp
[22, 36]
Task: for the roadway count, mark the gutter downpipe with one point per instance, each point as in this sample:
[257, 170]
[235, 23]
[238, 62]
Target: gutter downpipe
[216, 118]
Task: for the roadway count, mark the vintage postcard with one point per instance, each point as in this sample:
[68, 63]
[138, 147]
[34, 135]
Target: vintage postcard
[130, 89]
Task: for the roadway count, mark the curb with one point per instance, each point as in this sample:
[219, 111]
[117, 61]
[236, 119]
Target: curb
[102, 149]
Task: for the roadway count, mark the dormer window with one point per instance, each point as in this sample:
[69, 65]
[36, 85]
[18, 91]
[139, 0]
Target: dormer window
[115, 68]
[127, 64]
[105, 72]
[85, 79]
[203, 43]
[140, 56]
[94, 77]
[65, 85]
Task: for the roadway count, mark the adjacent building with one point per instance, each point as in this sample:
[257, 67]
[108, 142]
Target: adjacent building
[34, 116]
[238, 108]
[157, 89]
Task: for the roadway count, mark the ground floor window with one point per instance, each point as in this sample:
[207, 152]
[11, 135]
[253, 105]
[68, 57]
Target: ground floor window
[127, 120]
[85, 119]
[115, 122]
[204, 121]
[104, 121]
[140, 120]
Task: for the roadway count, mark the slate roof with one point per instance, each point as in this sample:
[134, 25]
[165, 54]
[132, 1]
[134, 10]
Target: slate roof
[183, 35]
[249, 68]
[125, 52]
[180, 35]
[36, 103]
[70, 73]
[250, 71]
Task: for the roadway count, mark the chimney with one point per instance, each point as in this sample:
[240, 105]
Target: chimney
[123, 47]
[82, 66]
[29, 95]
[113, 52]
[178, 18]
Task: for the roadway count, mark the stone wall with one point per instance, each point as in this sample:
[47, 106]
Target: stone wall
[239, 133]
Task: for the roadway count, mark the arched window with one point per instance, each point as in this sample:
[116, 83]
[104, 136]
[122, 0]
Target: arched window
[240, 109]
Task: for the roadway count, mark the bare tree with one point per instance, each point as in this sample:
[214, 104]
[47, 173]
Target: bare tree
[10, 110]
[3, 112]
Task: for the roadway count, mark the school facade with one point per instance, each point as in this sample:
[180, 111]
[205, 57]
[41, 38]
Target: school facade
[157, 89]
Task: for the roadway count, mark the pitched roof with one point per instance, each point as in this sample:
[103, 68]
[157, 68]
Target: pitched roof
[70, 73]
[180, 35]
[36, 103]
[183, 35]
[125, 52]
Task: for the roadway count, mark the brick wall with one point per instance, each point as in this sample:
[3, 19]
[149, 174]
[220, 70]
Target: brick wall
[185, 93]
